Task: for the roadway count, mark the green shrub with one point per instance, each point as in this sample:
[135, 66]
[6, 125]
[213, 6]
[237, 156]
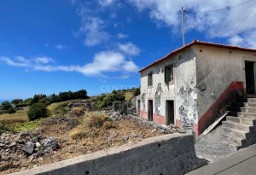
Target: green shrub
[3, 129]
[61, 109]
[36, 111]
[11, 110]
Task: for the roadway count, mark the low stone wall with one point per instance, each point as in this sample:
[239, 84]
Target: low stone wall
[166, 154]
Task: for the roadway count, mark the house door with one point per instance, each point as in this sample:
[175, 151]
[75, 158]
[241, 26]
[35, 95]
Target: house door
[249, 73]
[169, 112]
[150, 110]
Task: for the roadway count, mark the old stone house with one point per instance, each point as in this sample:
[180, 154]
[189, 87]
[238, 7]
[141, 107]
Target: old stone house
[191, 86]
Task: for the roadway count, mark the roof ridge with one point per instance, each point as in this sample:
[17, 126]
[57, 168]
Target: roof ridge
[198, 42]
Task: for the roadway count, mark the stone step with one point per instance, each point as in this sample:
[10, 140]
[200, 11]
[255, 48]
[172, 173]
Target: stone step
[242, 120]
[232, 113]
[246, 114]
[248, 109]
[251, 99]
[250, 139]
[249, 104]
[234, 135]
[236, 126]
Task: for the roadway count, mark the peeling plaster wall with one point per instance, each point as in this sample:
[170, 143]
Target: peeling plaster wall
[182, 91]
[216, 69]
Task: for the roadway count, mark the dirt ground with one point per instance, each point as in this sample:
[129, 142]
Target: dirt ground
[78, 135]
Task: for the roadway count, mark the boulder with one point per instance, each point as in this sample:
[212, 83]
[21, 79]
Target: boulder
[29, 147]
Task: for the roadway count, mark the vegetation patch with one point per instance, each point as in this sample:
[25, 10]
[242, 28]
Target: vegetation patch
[59, 109]
[37, 111]
[27, 126]
[19, 115]
[3, 129]
[90, 125]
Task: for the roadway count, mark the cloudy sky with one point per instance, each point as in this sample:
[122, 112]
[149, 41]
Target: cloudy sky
[48, 46]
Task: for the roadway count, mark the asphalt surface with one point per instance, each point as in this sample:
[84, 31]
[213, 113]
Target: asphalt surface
[240, 163]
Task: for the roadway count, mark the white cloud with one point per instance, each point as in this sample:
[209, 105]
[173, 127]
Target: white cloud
[247, 39]
[21, 61]
[43, 60]
[105, 3]
[92, 28]
[103, 62]
[236, 40]
[129, 49]
[129, 66]
[108, 62]
[225, 23]
[17, 63]
[122, 36]
[60, 46]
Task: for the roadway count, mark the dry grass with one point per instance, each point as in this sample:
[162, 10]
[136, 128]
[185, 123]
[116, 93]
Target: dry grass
[91, 132]
[53, 106]
[19, 115]
[77, 111]
[128, 95]
[90, 125]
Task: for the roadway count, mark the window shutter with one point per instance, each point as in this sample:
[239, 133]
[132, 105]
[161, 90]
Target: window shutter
[167, 74]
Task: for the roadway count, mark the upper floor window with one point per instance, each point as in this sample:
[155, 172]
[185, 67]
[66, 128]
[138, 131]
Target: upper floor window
[150, 79]
[169, 76]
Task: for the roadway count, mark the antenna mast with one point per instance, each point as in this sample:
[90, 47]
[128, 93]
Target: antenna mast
[182, 25]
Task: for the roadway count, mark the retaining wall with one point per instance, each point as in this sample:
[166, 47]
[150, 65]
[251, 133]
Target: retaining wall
[162, 155]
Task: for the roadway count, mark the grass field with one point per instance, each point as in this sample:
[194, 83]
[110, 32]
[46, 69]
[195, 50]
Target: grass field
[19, 115]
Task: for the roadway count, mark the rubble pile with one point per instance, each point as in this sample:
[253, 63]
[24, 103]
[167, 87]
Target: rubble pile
[166, 129]
[26, 146]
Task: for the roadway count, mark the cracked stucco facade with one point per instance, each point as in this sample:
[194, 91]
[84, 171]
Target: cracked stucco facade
[201, 74]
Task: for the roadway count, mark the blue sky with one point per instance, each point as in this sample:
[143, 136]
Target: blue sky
[48, 46]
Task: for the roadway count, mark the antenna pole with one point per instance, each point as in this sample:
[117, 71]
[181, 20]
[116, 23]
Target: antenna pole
[182, 25]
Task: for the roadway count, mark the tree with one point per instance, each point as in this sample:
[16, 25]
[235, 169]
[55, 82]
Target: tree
[6, 106]
[28, 101]
[38, 97]
[64, 96]
[16, 101]
[54, 98]
[37, 110]
[81, 94]
[136, 91]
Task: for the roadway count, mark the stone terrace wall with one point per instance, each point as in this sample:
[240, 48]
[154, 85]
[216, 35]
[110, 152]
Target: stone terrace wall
[166, 154]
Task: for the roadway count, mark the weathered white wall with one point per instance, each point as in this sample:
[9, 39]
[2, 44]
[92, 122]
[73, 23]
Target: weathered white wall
[216, 69]
[181, 91]
[167, 154]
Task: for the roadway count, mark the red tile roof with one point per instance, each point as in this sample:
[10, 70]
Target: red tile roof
[197, 42]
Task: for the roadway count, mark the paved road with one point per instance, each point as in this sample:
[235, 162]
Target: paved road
[240, 163]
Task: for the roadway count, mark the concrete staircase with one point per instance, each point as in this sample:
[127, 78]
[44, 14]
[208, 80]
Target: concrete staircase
[240, 124]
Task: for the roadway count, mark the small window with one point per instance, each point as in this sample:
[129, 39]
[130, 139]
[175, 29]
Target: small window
[150, 79]
[169, 77]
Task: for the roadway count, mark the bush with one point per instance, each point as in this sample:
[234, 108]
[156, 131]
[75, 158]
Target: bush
[6, 105]
[36, 111]
[11, 110]
[61, 109]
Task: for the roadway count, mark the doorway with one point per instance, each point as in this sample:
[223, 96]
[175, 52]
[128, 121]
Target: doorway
[169, 112]
[150, 110]
[138, 107]
[249, 75]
